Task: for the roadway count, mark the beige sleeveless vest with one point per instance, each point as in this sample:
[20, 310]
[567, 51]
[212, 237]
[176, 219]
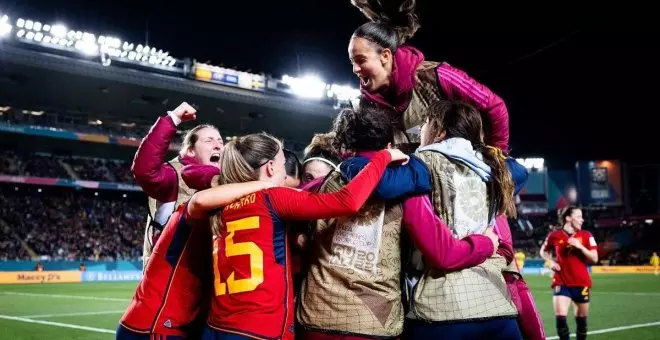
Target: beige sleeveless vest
[425, 92]
[159, 212]
[470, 294]
[353, 281]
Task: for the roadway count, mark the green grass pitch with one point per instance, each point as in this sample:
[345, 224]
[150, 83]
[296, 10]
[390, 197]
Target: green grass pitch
[622, 307]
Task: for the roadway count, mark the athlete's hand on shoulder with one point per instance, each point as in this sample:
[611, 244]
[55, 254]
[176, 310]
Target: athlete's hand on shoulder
[397, 155]
[185, 112]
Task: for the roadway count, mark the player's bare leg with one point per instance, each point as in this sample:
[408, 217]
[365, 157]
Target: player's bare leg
[561, 304]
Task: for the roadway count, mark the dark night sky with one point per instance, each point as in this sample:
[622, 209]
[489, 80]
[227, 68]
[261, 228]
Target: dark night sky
[580, 82]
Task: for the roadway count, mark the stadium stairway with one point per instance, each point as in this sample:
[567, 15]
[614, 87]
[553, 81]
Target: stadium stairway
[69, 170]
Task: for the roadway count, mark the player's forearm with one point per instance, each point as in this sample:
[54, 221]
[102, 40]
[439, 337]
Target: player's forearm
[214, 198]
[591, 255]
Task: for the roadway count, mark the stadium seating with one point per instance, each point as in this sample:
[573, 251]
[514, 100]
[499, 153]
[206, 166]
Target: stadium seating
[68, 225]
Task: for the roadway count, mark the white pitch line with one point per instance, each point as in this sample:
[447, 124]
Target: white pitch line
[72, 314]
[79, 297]
[615, 329]
[633, 293]
[58, 324]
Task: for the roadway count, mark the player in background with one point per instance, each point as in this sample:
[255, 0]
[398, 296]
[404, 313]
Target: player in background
[574, 249]
[252, 276]
[655, 262]
[520, 259]
[160, 179]
[172, 298]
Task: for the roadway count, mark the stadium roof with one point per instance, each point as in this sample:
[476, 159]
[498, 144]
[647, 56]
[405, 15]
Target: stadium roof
[35, 79]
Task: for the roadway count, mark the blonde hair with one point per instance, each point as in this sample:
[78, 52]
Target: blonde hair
[191, 137]
[242, 158]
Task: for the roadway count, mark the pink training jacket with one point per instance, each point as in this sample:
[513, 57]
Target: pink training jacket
[458, 85]
[454, 83]
[157, 179]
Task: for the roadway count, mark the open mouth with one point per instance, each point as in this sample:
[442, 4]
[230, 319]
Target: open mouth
[365, 82]
[215, 158]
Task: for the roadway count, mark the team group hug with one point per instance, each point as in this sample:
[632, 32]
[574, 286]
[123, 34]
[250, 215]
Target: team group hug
[393, 226]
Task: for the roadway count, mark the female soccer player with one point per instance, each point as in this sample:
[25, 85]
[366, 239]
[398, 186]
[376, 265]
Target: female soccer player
[161, 180]
[253, 291]
[395, 75]
[172, 297]
[320, 158]
[574, 249]
[294, 169]
[353, 284]
[471, 186]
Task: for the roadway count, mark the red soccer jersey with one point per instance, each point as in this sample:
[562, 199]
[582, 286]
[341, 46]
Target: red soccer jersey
[251, 259]
[573, 263]
[177, 281]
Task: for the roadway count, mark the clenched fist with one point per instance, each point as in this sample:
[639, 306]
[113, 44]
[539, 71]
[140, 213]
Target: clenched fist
[185, 112]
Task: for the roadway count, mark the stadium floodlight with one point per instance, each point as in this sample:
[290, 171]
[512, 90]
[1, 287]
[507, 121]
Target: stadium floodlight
[5, 28]
[58, 30]
[87, 48]
[29, 35]
[343, 92]
[37, 26]
[20, 22]
[29, 24]
[309, 86]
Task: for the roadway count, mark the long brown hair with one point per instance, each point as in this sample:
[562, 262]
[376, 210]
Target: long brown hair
[242, 158]
[460, 120]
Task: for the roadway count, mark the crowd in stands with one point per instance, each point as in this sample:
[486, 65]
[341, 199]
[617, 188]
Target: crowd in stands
[51, 166]
[75, 122]
[70, 225]
[35, 165]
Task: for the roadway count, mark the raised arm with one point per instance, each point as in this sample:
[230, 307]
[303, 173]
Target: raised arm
[157, 179]
[204, 201]
[434, 239]
[458, 85]
[301, 205]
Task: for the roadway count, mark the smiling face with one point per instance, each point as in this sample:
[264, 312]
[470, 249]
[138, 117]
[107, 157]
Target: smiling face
[575, 219]
[373, 65]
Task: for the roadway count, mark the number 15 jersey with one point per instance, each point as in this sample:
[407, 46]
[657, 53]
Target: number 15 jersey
[252, 276]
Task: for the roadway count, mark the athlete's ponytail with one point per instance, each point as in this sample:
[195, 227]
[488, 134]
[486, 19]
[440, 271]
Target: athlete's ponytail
[242, 158]
[393, 22]
[502, 183]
